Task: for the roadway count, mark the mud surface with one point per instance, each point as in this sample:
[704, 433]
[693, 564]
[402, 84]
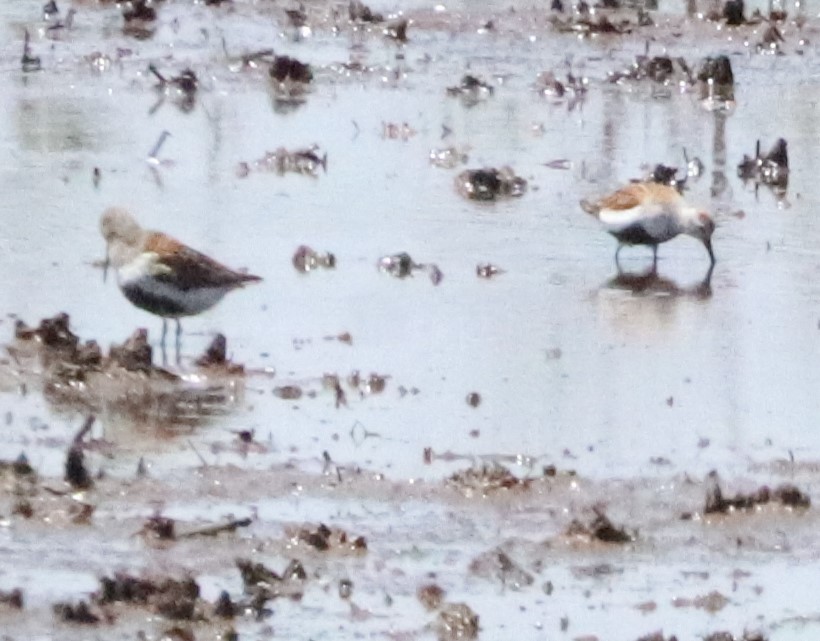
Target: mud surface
[509, 439]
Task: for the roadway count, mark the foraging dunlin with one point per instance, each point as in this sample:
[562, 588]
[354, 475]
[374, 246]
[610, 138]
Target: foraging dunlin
[159, 274]
[649, 214]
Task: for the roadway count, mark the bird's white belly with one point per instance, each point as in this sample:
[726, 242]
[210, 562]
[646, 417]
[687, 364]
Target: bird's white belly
[163, 298]
[655, 223]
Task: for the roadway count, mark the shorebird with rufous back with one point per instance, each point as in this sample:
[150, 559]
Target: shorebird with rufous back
[649, 213]
[161, 275]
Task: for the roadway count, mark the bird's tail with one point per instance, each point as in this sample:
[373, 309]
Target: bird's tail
[593, 209]
[248, 278]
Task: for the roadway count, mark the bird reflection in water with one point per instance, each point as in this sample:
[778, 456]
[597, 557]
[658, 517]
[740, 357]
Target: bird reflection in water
[650, 283]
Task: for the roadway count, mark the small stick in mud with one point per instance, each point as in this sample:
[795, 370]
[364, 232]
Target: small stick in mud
[76, 473]
[251, 59]
[213, 530]
[154, 153]
[199, 456]
[29, 62]
[58, 25]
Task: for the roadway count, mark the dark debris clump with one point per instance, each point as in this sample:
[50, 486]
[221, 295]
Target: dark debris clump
[12, 598]
[52, 332]
[456, 622]
[448, 157]
[177, 599]
[662, 70]
[728, 636]
[402, 265]
[138, 10]
[306, 161]
[61, 349]
[471, 90]
[285, 68]
[72, 360]
[499, 566]
[718, 70]
[256, 574]
[215, 356]
[183, 88]
[487, 479]
[290, 79]
[225, 608]
[716, 83]
[397, 30]
[716, 503]
[575, 88]
[135, 354]
[19, 468]
[307, 260]
[666, 175]
[262, 583]
[490, 183]
[288, 392]
[399, 265]
[600, 529]
[584, 24]
[79, 612]
[186, 81]
[139, 19]
[325, 539]
[76, 473]
[771, 40]
[159, 527]
[487, 270]
[172, 598]
[431, 596]
[360, 12]
[771, 169]
[675, 176]
[733, 13]
[69, 359]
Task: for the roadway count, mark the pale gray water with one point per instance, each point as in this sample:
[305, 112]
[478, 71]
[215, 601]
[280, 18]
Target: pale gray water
[637, 376]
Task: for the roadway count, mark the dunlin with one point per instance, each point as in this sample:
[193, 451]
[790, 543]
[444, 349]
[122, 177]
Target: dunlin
[159, 274]
[649, 214]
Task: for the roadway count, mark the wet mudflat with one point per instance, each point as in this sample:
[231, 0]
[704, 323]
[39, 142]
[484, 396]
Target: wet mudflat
[434, 388]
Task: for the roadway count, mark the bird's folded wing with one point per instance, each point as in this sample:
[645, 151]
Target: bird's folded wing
[625, 198]
[186, 268]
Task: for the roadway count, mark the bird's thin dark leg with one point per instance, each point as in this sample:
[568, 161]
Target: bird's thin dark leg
[654, 258]
[179, 342]
[707, 280]
[162, 342]
[618, 251]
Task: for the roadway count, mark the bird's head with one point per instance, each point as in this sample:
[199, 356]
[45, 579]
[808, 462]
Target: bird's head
[117, 225]
[122, 236]
[701, 225]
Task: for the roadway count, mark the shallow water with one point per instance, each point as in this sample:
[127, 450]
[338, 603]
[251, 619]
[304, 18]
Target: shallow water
[574, 367]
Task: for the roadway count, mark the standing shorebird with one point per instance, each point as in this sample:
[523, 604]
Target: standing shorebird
[650, 214]
[159, 274]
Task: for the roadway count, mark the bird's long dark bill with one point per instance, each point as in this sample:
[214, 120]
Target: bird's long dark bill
[106, 264]
[708, 244]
